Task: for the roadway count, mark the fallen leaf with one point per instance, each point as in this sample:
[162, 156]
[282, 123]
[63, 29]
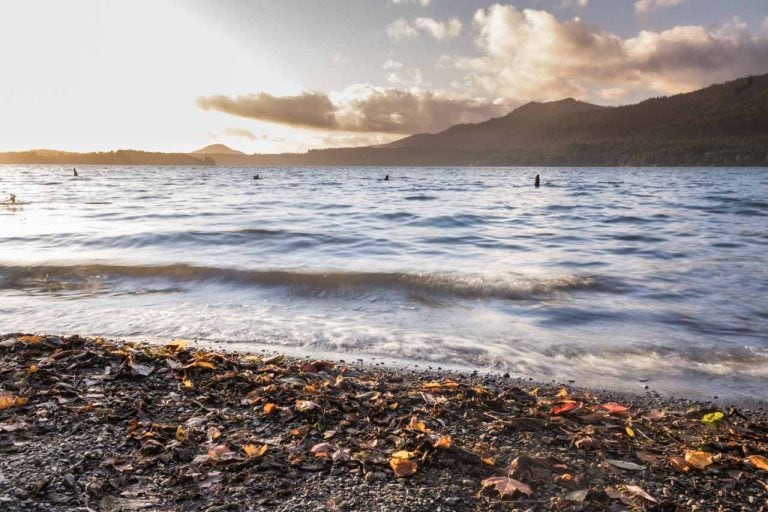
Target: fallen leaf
[181, 434]
[680, 464]
[32, 369]
[649, 458]
[614, 408]
[758, 461]
[698, 459]
[221, 453]
[6, 401]
[306, 405]
[655, 415]
[140, 369]
[177, 345]
[323, 450]
[712, 418]
[577, 496]
[403, 454]
[563, 393]
[269, 408]
[625, 465]
[507, 486]
[443, 442]
[565, 407]
[402, 467]
[213, 434]
[417, 425]
[31, 339]
[187, 383]
[637, 491]
[251, 450]
[630, 432]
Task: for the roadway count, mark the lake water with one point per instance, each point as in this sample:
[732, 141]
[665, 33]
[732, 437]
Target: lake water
[612, 277]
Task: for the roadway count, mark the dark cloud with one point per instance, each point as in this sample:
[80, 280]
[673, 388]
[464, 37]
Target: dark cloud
[360, 108]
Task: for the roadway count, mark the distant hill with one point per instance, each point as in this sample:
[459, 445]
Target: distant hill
[724, 124]
[217, 149]
[120, 157]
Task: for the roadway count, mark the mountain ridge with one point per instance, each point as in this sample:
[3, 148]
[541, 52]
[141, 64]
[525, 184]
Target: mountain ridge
[723, 124]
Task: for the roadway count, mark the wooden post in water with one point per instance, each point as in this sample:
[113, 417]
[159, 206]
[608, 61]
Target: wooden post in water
[537, 182]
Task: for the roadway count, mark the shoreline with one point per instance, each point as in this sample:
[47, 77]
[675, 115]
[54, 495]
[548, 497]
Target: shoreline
[88, 423]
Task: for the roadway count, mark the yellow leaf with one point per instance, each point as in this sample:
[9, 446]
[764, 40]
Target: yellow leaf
[177, 345]
[563, 393]
[698, 459]
[443, 442]
[758, 461]
[712, 418]
[181, 434]
[630, 432]
[402, 467]
[251, 450]
[187, 383]
[32, 369]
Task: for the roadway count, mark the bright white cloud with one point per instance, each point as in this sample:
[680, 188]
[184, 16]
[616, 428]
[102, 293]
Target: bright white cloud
[403, 29]
[392, 64]
[644, 6]
[529, 54]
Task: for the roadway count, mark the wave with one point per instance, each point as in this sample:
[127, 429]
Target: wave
[425, 285]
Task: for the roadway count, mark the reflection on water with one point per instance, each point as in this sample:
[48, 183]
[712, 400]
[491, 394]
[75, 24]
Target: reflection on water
[608, 276]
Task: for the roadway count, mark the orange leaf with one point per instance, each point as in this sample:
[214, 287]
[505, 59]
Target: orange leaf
[32, 369]
[566, 407]
[31, 339]
[563, 393]
[614, 408]
[507, 486]
[269, 408]
[177, 345]
[417, 425]
[758, 461]
[443, 442]
[698, 459]
[402, 467]
[251, 450]
[6, 401]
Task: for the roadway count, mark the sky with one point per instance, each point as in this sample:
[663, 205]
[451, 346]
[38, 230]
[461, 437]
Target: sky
[291, 75]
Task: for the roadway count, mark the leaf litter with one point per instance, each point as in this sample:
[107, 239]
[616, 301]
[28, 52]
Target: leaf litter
[94, 424]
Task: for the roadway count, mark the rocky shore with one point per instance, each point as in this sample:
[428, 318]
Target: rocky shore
[101, 425]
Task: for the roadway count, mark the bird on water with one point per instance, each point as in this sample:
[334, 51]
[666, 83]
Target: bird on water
[537, 182]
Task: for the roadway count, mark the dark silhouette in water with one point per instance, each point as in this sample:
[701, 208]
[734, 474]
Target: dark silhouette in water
[12, 199]
[386, 178]
[537, 182]
[256, 177]
[75, 172]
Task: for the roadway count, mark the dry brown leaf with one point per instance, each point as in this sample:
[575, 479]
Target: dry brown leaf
[269, 408]
[698, 459]
[221, 453]
[614, 408]
[507, 486]
[32, 369]
[637, 491]
[323, 450]
[758, 461]
[443, 442]
[251, 450]
[306, 405]
[680, 464]
[649, 458]
[181, 434]
[213, 434]
[31, 339]
[177, 345]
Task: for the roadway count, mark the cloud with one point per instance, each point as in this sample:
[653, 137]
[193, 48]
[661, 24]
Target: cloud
[309, 109]
[403, 29]
[423, 3]
[240, 132]
[531, 55]
[361, 108]
[645, 6]
[392, 64]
